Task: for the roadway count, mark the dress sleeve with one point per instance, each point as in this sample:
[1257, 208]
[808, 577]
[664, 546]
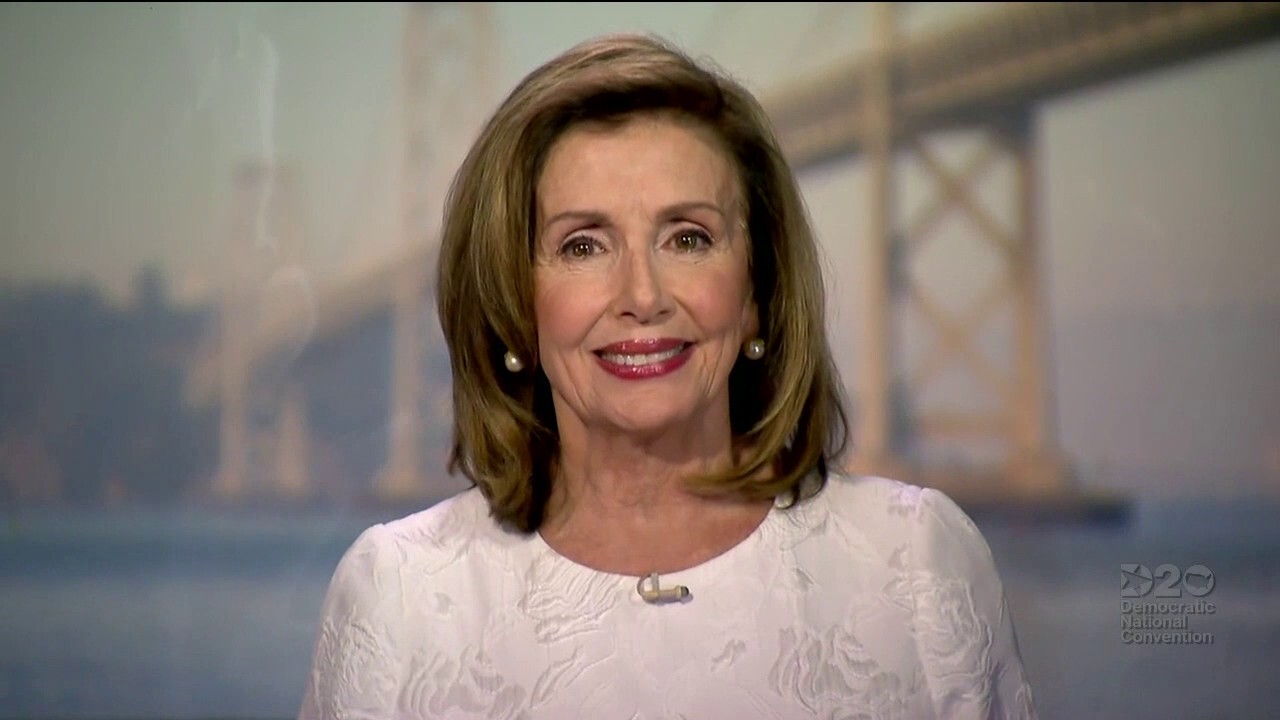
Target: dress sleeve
[964, 633]
[354, 671]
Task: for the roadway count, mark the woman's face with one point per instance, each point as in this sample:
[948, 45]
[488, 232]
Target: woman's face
[643, 294]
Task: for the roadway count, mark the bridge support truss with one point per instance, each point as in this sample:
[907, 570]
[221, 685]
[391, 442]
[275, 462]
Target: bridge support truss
[890, 396]
[448, 53]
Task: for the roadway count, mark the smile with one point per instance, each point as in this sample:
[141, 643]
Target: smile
[637, 360]
[646, 359]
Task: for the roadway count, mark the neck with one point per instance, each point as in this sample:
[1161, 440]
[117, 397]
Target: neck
[620, 475]
[619, 502]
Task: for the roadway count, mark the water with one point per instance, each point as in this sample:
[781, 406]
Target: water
[162, 615]
[187, 614]
[1063, 585]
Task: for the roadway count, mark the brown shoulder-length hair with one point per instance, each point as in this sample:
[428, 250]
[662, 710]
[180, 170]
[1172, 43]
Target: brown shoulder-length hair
[787, 409]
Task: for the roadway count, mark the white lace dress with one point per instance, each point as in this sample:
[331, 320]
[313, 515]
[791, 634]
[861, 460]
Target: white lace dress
[874, 600]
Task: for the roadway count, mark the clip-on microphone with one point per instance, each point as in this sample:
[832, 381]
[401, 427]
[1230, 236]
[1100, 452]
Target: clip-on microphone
[654, 595]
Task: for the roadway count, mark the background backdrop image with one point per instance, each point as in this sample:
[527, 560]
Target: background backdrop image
[160, 160]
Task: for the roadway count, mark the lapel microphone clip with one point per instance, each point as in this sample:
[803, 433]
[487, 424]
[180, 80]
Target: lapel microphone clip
[657, 596]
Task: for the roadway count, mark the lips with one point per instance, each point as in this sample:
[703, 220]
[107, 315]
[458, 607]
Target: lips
[642, 346]
[646, 358]
[641, 352]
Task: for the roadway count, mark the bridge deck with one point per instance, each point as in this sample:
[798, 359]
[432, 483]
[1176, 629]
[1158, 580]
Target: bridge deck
[992, 61]
[1007, 58]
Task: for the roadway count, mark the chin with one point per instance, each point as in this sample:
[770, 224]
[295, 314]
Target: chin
[647, 421]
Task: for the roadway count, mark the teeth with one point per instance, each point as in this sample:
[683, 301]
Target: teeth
[647, 359]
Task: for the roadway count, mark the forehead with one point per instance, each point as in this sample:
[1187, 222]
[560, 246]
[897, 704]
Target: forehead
[654, 159]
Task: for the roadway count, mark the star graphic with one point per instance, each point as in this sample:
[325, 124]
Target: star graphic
[1135, 580]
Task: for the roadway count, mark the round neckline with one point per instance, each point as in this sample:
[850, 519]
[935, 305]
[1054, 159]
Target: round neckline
[703, 571]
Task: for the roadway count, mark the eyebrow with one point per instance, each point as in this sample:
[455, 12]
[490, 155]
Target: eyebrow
[594, 217]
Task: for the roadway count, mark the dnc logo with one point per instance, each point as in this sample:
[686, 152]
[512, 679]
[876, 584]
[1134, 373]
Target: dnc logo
[1168, 581]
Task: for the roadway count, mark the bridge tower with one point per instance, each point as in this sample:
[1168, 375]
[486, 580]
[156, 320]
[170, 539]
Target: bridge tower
[448, 72]
[895, 423]
[261, 450]
[897, 107]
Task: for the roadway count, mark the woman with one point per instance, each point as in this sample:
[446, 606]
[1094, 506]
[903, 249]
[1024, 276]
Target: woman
[648, 409]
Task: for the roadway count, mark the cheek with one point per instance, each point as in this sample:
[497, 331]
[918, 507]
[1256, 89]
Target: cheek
[722, 303]
[565, 313]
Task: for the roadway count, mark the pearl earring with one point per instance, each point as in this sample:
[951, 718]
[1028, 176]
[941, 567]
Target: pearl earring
[514, 363]
[755, 349]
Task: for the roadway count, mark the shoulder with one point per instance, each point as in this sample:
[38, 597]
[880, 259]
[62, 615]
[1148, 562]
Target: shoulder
[369, 577]
[893, 526]
[872, 494]
[368, 609]
[355, 653]
[893, 512]
[442, 537]
[463, 515]
[915, 530]
[943, 573]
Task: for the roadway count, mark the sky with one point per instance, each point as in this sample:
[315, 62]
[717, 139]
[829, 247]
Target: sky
[122, 123]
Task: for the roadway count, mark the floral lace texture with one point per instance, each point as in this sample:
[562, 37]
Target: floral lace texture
[873, 600]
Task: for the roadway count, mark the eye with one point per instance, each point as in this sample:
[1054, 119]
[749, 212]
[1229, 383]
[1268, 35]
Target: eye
[580, 246]
[691, 240]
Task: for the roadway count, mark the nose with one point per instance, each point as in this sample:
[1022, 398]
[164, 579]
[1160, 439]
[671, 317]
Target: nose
[641, 293]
